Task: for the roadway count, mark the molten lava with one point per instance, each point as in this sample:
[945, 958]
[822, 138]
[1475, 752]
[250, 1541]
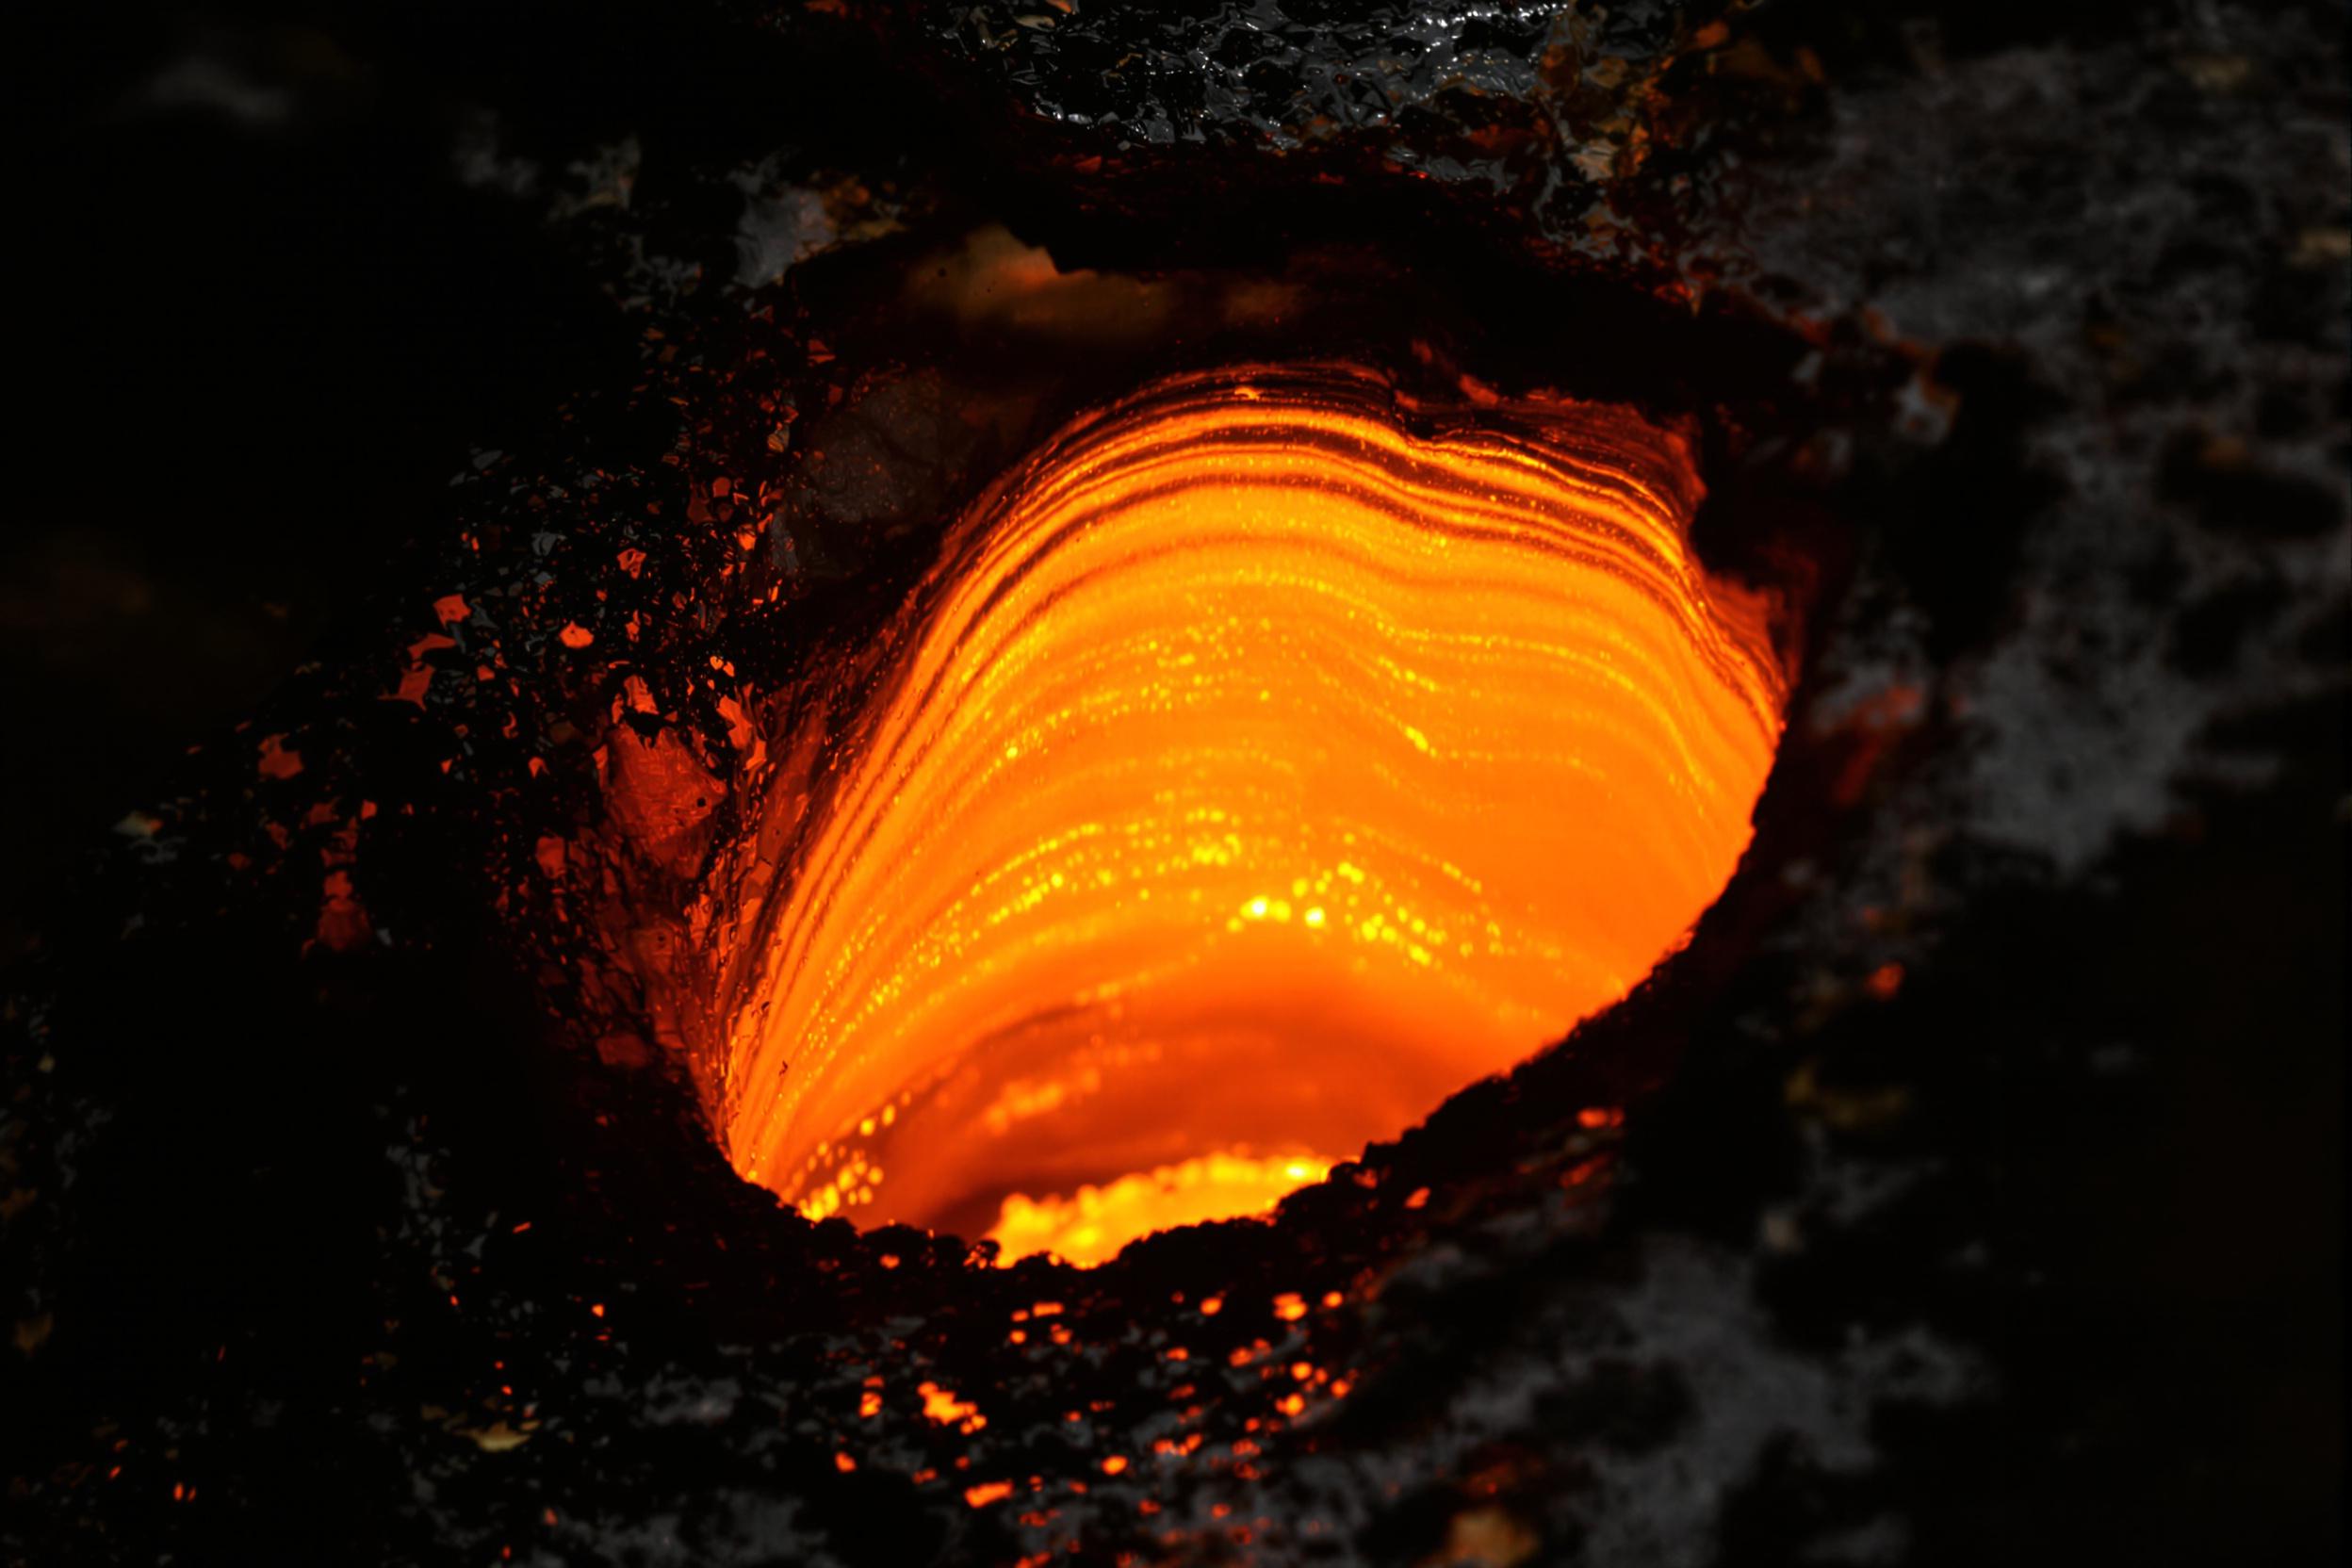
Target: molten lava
[1263, 762]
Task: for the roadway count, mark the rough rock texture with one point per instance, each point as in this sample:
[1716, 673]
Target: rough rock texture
[1968, 1191]
[1541, 119]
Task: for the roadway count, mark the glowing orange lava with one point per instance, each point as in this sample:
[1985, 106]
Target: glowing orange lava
[1262, 763]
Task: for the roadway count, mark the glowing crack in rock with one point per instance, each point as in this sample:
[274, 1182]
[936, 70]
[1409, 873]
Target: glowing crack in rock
[1264, 762]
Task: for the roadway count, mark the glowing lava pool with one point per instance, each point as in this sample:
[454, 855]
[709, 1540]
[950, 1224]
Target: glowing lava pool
[1262, 762]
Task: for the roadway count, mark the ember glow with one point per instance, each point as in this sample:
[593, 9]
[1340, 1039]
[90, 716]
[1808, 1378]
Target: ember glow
[1263, 762]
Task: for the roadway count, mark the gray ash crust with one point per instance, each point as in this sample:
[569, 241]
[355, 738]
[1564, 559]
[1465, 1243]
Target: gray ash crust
[2146, 236]
[2031, 1257]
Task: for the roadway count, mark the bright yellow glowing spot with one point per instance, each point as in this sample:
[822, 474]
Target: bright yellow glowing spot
[1452, 680]
[946, 1409]
[1093, 1224]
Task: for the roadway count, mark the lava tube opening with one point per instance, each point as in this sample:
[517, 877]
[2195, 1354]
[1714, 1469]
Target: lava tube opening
[1264, 762]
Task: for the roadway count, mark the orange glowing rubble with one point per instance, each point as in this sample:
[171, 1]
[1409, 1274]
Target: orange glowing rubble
[1263, 762]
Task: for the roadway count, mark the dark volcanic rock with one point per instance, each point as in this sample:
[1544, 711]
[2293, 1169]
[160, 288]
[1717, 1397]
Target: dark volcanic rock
[1529, 120]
